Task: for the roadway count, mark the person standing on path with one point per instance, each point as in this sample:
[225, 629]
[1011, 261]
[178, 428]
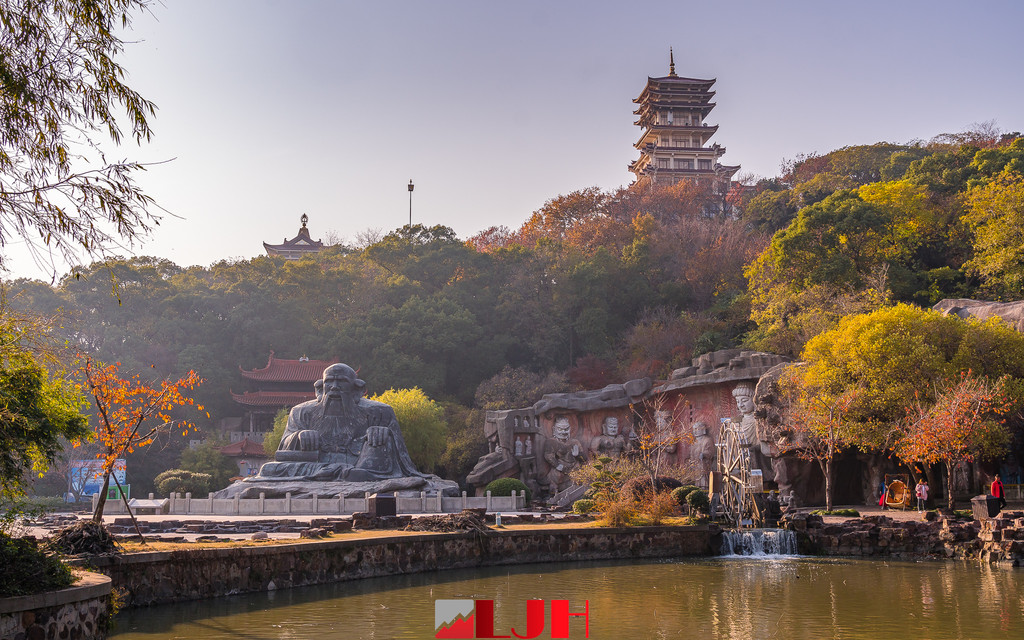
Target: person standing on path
[998, 492]
[921, 490]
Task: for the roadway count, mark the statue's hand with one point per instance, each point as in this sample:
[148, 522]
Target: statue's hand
[376, 436]
[308, 440]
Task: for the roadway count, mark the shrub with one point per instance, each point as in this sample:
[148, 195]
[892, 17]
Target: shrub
[639, 487]
[679, 494]
[618, 513]
[849, 513]
[182, 481]
[27, 570]
[583, 506]
[508, 486]
[657, 507]
[698, 500]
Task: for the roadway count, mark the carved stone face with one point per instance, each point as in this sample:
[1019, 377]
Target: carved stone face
[744, 400]
[610, 426]
[562, 429]
[699, 429]
[340, 379]
[663, 419]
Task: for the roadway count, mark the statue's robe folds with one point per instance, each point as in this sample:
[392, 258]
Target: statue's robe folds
[343, 453]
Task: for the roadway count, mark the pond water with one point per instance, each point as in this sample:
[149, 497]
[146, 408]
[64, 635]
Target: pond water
[729, 597]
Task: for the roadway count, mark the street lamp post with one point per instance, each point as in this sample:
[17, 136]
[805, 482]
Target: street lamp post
[411, 186]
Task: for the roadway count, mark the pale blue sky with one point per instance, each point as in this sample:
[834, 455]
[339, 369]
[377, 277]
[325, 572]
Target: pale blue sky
[275, 109]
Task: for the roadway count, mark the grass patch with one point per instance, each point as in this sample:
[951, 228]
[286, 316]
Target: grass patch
[846, 513]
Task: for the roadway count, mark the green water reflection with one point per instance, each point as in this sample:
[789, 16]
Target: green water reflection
[741, 598]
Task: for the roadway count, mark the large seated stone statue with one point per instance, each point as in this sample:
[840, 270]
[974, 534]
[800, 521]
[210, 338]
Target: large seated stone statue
[340, 443]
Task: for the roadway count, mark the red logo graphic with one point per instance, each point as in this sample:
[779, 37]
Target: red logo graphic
[472, 619]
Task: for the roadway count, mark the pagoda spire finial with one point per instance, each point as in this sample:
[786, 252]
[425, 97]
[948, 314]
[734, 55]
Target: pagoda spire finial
[671, 64]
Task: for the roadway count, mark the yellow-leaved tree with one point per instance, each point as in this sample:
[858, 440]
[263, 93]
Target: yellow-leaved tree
[422, 422]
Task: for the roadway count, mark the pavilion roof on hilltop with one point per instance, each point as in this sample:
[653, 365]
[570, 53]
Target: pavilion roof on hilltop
[272, 398]
[281, 370]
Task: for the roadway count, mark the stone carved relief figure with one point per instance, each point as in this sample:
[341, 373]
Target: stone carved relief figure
[610, 443]
[341, 436]
[663, 423]
[563, 454]
[702, 452]
[759, 451]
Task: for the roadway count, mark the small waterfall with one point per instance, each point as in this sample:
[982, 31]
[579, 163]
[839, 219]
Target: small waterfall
[759, 542]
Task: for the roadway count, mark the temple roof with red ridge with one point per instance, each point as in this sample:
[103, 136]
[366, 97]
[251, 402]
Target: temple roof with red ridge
[244, 447]
[280, 370]
[272, 398]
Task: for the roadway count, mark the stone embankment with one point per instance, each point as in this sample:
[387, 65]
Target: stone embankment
[997, 541]
[191, 574]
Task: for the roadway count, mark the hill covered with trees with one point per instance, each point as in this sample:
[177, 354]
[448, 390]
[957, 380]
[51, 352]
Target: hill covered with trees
[595, 287]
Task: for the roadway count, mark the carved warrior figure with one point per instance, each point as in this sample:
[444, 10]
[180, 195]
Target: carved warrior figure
[341, 436]
[663, 423]
[610, 443]
[562, 454]
[702, 452]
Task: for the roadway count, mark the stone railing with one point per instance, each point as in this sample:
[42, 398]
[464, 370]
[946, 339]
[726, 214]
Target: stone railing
[263, 506]
[80, 611]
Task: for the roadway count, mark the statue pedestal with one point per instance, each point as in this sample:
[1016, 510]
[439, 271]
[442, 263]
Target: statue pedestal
[278, 487]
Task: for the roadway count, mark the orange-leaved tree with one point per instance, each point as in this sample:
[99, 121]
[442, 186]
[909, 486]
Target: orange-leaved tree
[966, 422]
[818, 423]
[130, 413]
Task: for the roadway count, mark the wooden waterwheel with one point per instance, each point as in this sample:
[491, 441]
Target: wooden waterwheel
[734, 476]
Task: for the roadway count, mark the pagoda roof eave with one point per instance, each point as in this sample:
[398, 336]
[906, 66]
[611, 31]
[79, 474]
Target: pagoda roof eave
[272, 398]
[282, 370]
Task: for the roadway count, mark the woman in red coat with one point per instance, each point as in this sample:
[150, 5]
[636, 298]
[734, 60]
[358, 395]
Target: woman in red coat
[997, 491]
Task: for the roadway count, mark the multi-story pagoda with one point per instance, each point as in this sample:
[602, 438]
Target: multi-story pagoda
[298, 247]
[673, 112]
[279, 385]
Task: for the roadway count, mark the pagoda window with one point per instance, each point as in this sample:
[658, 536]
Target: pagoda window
[684, 164]
[663, 163]
[704, 164]
[669, 116]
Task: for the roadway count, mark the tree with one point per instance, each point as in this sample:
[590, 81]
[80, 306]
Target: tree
[656, 434]
[818, 423]
[38, 411]
[272, 440]
[130, 413]
[422, 423]
[61, 92]
[995, 214]
[964, 423]
[207, 459]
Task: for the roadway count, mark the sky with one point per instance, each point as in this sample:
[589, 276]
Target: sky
[268, 110]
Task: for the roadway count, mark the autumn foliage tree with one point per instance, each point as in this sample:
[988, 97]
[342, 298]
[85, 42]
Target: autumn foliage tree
[130, 413]
[818, 423]
[966, 422]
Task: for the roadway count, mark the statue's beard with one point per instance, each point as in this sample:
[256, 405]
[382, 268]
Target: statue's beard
[344, 404]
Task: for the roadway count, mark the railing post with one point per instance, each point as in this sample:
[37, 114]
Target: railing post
[263, 505]
[316, 504]
[440, 504]
[188, 502]
[210, 498]
[341, 503]
[237, 504]
[488, 501]
[465, 505]
[288, 502]
[423, 501]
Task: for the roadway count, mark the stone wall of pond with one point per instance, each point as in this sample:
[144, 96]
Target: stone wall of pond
[158, 577]
[998, 540]
[80, 611]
